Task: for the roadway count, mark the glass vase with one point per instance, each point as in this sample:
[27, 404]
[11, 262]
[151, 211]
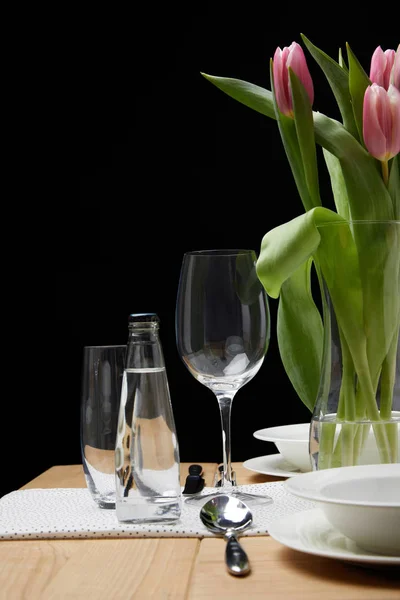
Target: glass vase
[356, 419]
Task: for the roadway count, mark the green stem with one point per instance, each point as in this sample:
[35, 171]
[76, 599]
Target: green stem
[365, 397]
[337, 453]
[326, 445]
[392, 432]
[385, 171]
[347, 408]
[388, 376]
[361, 437]
[348, 444]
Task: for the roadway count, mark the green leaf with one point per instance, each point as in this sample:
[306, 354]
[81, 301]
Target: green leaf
[366, 319]
[300, 334]
[338, 80]
[394, 185]
[286, 247]
[303, 117]
[341, 61]
[358, 83]
[378, 246]
[288, 132]
[368, 196]
[251, 95]
[338, 259]
[337, 184]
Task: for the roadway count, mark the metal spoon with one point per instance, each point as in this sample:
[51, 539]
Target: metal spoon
[227, 515]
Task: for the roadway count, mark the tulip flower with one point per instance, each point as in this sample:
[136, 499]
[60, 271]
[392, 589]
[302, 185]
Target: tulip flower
[293, 57]
[381, 67]
[381, 121]
[395, 73]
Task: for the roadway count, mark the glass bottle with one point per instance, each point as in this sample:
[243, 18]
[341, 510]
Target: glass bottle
[147, 453]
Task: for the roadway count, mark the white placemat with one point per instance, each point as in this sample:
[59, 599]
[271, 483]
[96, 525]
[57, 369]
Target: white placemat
[71, 513]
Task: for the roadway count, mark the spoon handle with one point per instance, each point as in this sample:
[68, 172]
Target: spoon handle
[235, 557]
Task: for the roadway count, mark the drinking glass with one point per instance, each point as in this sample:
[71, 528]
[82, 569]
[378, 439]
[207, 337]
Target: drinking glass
[222, 335]
[102, 373]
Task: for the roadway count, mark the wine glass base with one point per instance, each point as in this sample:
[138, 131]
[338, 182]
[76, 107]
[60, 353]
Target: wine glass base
[252, 500]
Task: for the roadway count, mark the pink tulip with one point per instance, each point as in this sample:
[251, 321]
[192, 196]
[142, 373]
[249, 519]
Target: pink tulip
[381, 66]
[292, 56]
[395, 73]
[381, 121]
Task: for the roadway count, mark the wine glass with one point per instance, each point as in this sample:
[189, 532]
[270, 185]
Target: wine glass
[222, 335]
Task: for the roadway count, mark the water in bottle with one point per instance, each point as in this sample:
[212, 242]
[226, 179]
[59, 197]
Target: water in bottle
[147, 452]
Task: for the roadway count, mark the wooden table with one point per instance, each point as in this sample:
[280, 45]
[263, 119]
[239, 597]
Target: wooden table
[175, 568]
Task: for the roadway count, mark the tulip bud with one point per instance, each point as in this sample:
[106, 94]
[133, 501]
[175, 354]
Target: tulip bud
[381, 121]
[381, 66]
[293, 57]
[395, 72]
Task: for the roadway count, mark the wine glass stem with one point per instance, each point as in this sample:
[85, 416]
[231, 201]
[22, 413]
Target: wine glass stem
[225, 405]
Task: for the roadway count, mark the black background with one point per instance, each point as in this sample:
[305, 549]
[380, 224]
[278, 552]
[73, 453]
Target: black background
[164, 163]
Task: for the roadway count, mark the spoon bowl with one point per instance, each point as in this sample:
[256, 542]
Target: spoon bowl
[227, 515]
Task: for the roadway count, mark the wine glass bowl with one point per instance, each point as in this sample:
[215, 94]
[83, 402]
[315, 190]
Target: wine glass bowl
[222, 331]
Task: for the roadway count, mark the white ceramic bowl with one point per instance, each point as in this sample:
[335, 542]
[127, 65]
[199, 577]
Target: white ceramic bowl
[291, 441]
[362, 502]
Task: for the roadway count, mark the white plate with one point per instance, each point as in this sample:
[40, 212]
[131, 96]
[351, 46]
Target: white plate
[273, 464]
[310, 532]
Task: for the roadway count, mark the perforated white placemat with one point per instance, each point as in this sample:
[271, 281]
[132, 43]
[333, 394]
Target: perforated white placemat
[71, 513]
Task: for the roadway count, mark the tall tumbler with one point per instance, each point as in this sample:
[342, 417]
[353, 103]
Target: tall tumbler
[102, 373]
